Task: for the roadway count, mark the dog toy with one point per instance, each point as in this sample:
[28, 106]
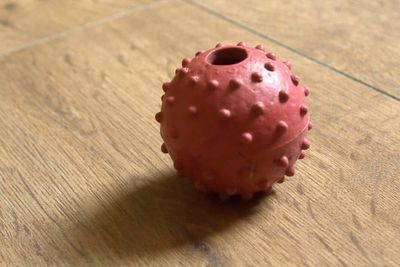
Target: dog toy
[234, 119]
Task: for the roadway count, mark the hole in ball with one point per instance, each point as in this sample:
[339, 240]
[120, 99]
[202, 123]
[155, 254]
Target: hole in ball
[227, 56]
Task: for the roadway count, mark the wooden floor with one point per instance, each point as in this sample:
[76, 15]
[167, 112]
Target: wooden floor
[82, 180]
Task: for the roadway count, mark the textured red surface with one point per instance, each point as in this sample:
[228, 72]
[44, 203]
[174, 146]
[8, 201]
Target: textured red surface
[234, 119]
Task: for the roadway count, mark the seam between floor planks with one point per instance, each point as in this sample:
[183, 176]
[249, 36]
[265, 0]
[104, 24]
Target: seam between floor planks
[157, 3]
[85, 26]
[289, 48]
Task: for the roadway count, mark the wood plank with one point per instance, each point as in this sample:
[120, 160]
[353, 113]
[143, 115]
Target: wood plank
[360, 38]
[23, 21]
[82, 180]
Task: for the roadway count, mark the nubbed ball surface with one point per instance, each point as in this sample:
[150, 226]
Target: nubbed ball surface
[234, 119]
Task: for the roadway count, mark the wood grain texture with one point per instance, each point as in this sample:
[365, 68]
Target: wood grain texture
[359, 38]
[24, 21]
[83, 183]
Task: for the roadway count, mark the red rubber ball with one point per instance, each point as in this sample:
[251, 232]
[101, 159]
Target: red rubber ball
[234, 119]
